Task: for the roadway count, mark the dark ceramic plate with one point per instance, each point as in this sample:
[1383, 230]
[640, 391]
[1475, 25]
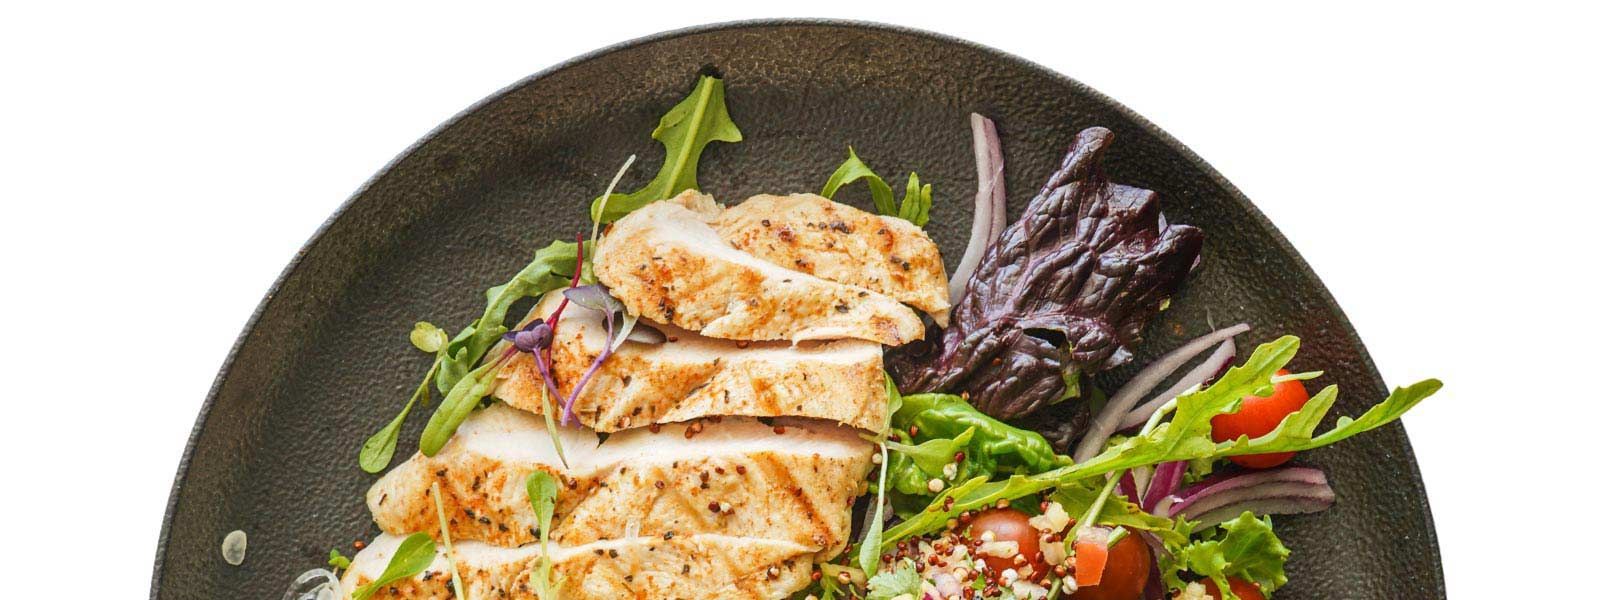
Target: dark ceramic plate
[324, 361]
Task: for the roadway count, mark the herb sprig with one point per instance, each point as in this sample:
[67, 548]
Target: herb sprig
[684, 131]
[413, 555]
[913, 207]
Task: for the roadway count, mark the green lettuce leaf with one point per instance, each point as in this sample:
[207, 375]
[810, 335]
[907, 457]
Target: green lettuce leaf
[1186, 437]
[1076, 498]
[902, 579]
[1247, 549]
[685, 131]
[995, 447]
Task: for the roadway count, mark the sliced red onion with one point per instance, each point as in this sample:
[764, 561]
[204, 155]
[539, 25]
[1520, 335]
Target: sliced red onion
[1286, 490]
[1169, 475]
[1106, 422]
[988, 207]
[1205, 371]
[1127, 487]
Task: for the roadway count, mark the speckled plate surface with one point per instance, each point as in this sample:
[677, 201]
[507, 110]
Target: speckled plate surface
[324, 361]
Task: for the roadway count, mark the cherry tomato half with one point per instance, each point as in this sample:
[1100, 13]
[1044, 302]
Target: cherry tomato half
[1259, 416]
[1009, 525]
[1241, 588]
[1126, 572]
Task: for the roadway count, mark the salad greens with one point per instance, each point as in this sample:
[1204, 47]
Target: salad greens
[913, 207]
[1246, 548]
[542, 491]
[1185, 437]
[337, 560]
[552, 268]
[1021, 347]
[413, 555]
[895, 582]
[378, 450]
[872, 542]
[1062, 293]
[684, 131]
[449, 550]
[452, 370]
[995, 447]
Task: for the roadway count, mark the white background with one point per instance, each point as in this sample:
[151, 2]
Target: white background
[159, 165]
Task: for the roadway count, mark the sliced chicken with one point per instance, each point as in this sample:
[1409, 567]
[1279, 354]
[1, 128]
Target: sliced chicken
[736, 477]
[703, 566]
[692, 376]
[666, 264]
[838, 242]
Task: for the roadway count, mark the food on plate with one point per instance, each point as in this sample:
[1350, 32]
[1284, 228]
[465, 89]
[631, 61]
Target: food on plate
[729, 476]
[686, 566]
[682, 376]
[1063, 293]
[665, 263]
[843, 244]
[700, 405]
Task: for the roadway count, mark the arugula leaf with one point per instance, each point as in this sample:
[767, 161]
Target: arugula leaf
[457, 406]
[919, 198]
[902, 579]
[338, 560]
[1187, 437]
[415, 553]
[872, 543]
[1248, 550]
[551, 268]
[685, 131]
[542, 491]
[854, 168]
[1295, 433]
[378, 450]
[1076, 498]
[913, 208]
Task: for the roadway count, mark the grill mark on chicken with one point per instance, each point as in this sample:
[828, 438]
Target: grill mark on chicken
[696, 377]
[840, 243]
[665, 263]
[666, 482]
[688, 566]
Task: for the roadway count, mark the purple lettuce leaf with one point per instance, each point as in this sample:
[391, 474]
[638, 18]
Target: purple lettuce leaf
[1064, 293]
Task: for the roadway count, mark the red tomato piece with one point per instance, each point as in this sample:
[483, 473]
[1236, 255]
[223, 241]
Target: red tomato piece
[1259, 416]
[1241, 588]
[1009, 525]
[1123, 574]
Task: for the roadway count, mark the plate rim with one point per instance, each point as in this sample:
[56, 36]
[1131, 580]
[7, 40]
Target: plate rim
[1315, 283]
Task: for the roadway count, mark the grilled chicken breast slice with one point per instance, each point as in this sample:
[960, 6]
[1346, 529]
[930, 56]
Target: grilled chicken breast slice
[693, 376]
[838, 242]
[702, 566]
[735, 477]
[666, 264]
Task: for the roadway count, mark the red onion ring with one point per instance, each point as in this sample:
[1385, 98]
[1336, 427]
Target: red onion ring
[1105, 423]
[1286, 490]
[1213, 365]
[988, 206]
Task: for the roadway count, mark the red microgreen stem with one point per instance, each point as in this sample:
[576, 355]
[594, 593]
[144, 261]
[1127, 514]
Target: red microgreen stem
[605, 352]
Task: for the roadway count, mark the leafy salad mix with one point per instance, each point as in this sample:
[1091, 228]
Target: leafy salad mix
[1004, 472]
